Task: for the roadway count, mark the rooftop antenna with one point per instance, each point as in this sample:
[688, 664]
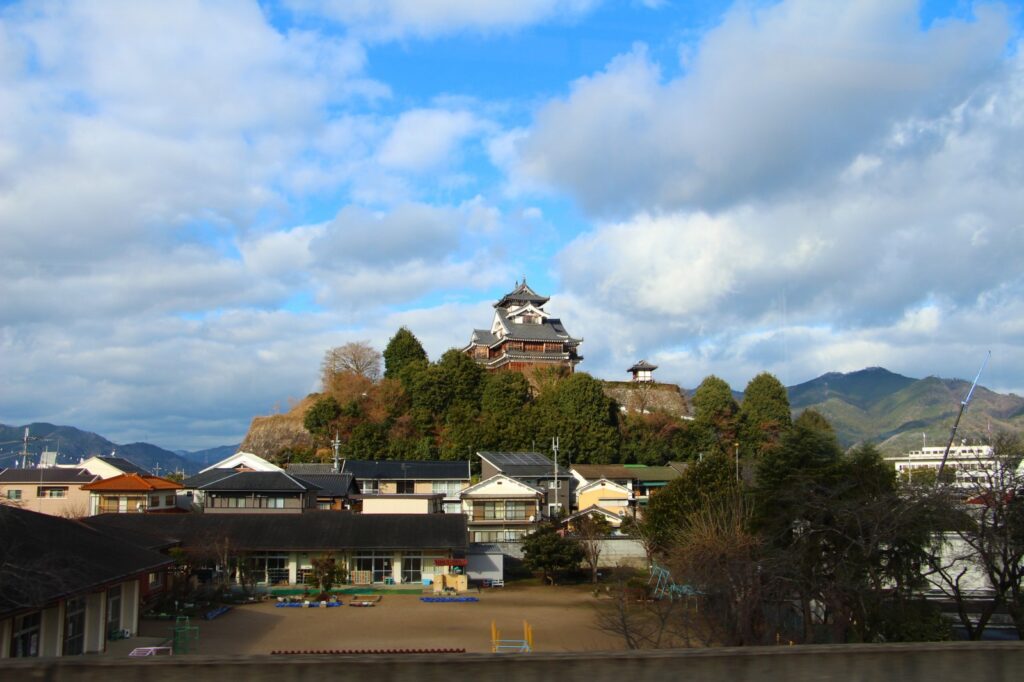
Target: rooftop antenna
[963, 408]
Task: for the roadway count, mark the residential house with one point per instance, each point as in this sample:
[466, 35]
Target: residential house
[243, 461]
[232, 491]
[108, 467]
[68, 587]
[334, 490]
[132, 493]
[612, 497]
[614, 520]
[57, 492]
[373, 548]
[402, 477]
[535, 470]
[502, 509]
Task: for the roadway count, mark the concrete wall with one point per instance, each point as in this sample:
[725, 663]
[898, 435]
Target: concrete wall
[988, 661]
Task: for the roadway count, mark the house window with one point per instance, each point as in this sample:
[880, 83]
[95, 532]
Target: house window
[25, 636]
[169, 500]
[154, 501]
[154, 581]
[406, 487]
[448, 488]
[323, 505]
[52, 491]
[369, 486]
[412, 567]
[74, 626]
[13, 494]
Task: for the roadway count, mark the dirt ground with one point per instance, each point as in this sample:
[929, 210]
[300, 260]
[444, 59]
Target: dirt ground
[563, 619]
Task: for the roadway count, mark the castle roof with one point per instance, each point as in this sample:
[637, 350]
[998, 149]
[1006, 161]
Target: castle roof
[641, 366]
[520, 295]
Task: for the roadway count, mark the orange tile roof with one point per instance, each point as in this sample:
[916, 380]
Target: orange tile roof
[132, 482]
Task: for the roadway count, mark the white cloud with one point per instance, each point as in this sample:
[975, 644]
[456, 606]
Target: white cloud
[777, 99]
[423, 139]
[388, 19]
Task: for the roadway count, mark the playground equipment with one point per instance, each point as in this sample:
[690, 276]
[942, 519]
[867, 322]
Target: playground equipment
[186, 636]
[664, 585]
[524, 645]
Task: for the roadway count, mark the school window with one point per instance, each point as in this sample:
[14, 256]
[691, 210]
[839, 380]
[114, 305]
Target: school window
[25, 636]
[13, 494]
[412, 567]
[74, 626]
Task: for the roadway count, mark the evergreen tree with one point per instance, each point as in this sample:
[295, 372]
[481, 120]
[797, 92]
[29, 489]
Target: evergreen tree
[704, 482]
[716, 415]
[320, 415]
[764, 415]
[585, 420]
[547, 551]
[403, 350]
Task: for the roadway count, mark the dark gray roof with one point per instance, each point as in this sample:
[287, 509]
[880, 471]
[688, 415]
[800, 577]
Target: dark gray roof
[332, 485]
[230, 479]
[396, 469]
[642, 365]
[521, 294]
[483, 337]
[551, 329]
[303, 468]
[51, 475]
[522, 464]
[125, 465]
[314, 530]
[50, 558]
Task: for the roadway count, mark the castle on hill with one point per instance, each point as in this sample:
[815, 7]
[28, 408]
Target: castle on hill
[523, 336]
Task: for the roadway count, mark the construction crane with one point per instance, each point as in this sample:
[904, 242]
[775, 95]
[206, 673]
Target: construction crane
[956, 424]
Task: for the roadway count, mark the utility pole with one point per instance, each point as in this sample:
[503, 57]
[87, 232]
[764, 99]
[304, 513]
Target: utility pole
[554, 448]
[336, 444]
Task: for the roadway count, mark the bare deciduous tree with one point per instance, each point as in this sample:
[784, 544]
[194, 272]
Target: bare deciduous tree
[591, 531]
[355, 357]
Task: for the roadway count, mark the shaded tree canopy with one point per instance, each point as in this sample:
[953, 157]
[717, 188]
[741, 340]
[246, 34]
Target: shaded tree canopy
[716, 415]
[403, 350]
[764, 414]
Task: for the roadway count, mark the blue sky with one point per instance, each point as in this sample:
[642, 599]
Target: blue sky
[198, 199]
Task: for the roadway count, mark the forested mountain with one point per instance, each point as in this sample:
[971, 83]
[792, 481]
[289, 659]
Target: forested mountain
[900, 413]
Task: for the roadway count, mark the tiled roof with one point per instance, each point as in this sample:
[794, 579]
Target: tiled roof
[643, 365]
[314, 530]
[521, 294]
[397, 470]
[125, 465]
[52, 558]
[230, 479]
[50, 475]
[132, 483]
[551, 329]
[613, 472]
[333, 485]
[303, 468]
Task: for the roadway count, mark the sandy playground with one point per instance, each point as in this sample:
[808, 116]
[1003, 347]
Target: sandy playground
[563, 619]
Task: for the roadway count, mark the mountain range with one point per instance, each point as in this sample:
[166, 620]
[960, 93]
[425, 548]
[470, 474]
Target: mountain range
[899, 413]
[72, 445]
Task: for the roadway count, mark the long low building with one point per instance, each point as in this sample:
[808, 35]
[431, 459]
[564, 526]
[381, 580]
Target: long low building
[65, 588]
[280, 548]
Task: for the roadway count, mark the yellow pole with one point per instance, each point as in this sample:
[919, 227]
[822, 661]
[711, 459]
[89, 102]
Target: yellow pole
[494, 637]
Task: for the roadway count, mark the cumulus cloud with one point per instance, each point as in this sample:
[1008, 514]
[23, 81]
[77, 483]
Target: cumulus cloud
[423, 139]
[907, 258]
[775, 99]
[389, 19]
